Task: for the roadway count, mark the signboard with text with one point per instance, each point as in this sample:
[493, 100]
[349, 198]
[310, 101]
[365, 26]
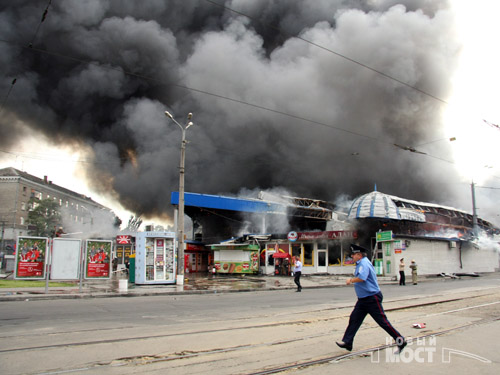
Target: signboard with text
[384, 236]
[328, 235]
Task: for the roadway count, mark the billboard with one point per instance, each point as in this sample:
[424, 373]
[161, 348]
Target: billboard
[65, 260]
[98, 259]
[31, 256]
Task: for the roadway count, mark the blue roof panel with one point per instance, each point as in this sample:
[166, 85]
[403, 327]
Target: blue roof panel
[227, 203]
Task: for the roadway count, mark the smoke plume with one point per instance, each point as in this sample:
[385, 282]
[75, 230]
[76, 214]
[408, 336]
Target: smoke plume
[275, 101]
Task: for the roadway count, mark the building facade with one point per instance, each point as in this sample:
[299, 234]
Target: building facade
[19, 190]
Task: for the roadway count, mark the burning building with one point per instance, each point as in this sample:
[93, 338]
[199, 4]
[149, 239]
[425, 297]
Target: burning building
[441, 239]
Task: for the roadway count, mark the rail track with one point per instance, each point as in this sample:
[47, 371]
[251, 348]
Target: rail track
[191, 360]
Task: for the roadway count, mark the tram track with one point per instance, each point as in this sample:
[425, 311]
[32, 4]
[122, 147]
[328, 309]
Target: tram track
[337, 358]
[206, 355]
[142, 361]
[220, 330]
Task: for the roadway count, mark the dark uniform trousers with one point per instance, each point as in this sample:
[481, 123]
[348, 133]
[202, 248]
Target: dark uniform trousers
[297, 279]
[369, 305]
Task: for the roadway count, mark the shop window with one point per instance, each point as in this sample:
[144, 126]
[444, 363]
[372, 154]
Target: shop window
[308, 254]
[297, 250]
[334, 253]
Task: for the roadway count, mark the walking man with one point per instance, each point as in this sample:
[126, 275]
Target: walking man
[402, 272]
[297, 271]
[369, 301]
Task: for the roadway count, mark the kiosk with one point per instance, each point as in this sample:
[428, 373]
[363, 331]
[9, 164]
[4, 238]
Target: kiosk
[155, 261]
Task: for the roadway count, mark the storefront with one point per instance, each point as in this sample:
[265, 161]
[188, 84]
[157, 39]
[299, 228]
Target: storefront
[125, 246]
[197, 257]
[433, 255]
[326, 252]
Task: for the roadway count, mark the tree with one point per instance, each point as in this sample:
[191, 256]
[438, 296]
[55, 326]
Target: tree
[43, 217]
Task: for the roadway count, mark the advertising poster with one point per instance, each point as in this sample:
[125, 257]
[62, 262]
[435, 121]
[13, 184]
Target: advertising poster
[249, 265]
[98, 259]
[31, 257]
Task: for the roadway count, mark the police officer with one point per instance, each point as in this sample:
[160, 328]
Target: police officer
[369, 301]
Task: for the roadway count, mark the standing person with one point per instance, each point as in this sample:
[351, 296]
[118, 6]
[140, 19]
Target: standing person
[413, 267]
[287, 266]
[369, 301]
[297, 271]
[402, 272]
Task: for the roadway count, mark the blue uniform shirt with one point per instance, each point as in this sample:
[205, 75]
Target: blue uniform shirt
[365, 271]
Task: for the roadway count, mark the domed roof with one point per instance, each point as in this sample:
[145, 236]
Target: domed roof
[374, 204]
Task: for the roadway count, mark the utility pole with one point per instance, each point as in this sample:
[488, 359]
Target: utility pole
[180, 220]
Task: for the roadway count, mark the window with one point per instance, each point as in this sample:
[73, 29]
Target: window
[60, 202]
[23, 206]
[308, 254]
[21, 220]
[67, 203]
[334, 253]
[296, 250]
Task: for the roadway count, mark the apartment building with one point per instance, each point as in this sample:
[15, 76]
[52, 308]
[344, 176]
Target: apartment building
[80, 214]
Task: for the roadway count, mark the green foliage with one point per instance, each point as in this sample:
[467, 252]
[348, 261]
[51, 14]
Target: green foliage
[32, 284]
[43, 218]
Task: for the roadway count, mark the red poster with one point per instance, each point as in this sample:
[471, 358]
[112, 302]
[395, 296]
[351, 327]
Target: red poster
[98, 270]
[30, 269]
[30, 257]
[98, 259]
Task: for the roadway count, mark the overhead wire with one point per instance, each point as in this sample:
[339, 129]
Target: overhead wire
[234, 100]
[44, 16]
[192, 89]
[280, 30]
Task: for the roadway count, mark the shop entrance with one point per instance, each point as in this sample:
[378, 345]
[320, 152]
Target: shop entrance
[322, 261]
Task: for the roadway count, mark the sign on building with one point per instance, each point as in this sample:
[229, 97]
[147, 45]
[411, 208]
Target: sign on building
[384, 236]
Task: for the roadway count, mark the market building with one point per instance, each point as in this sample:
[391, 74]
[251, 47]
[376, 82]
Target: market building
[439, 238]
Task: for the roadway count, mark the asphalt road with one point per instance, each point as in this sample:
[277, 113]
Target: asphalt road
[251, 332]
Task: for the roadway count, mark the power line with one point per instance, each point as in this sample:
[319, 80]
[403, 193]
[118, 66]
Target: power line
[44, 15]
[192, 89]
[331, 51]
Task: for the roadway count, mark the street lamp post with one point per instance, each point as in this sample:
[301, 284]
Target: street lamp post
[180, 215]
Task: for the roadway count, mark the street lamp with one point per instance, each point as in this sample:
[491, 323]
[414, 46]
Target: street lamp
[180, 215]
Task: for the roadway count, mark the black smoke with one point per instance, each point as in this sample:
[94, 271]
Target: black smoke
[274, 102]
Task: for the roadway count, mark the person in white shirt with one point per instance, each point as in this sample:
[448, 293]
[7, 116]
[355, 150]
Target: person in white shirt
[297, 271]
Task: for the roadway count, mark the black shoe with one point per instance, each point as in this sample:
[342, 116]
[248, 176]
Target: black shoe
[298, 290]
[400, 347]
[344, 345]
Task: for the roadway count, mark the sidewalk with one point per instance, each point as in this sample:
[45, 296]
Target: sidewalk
[194, 284]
